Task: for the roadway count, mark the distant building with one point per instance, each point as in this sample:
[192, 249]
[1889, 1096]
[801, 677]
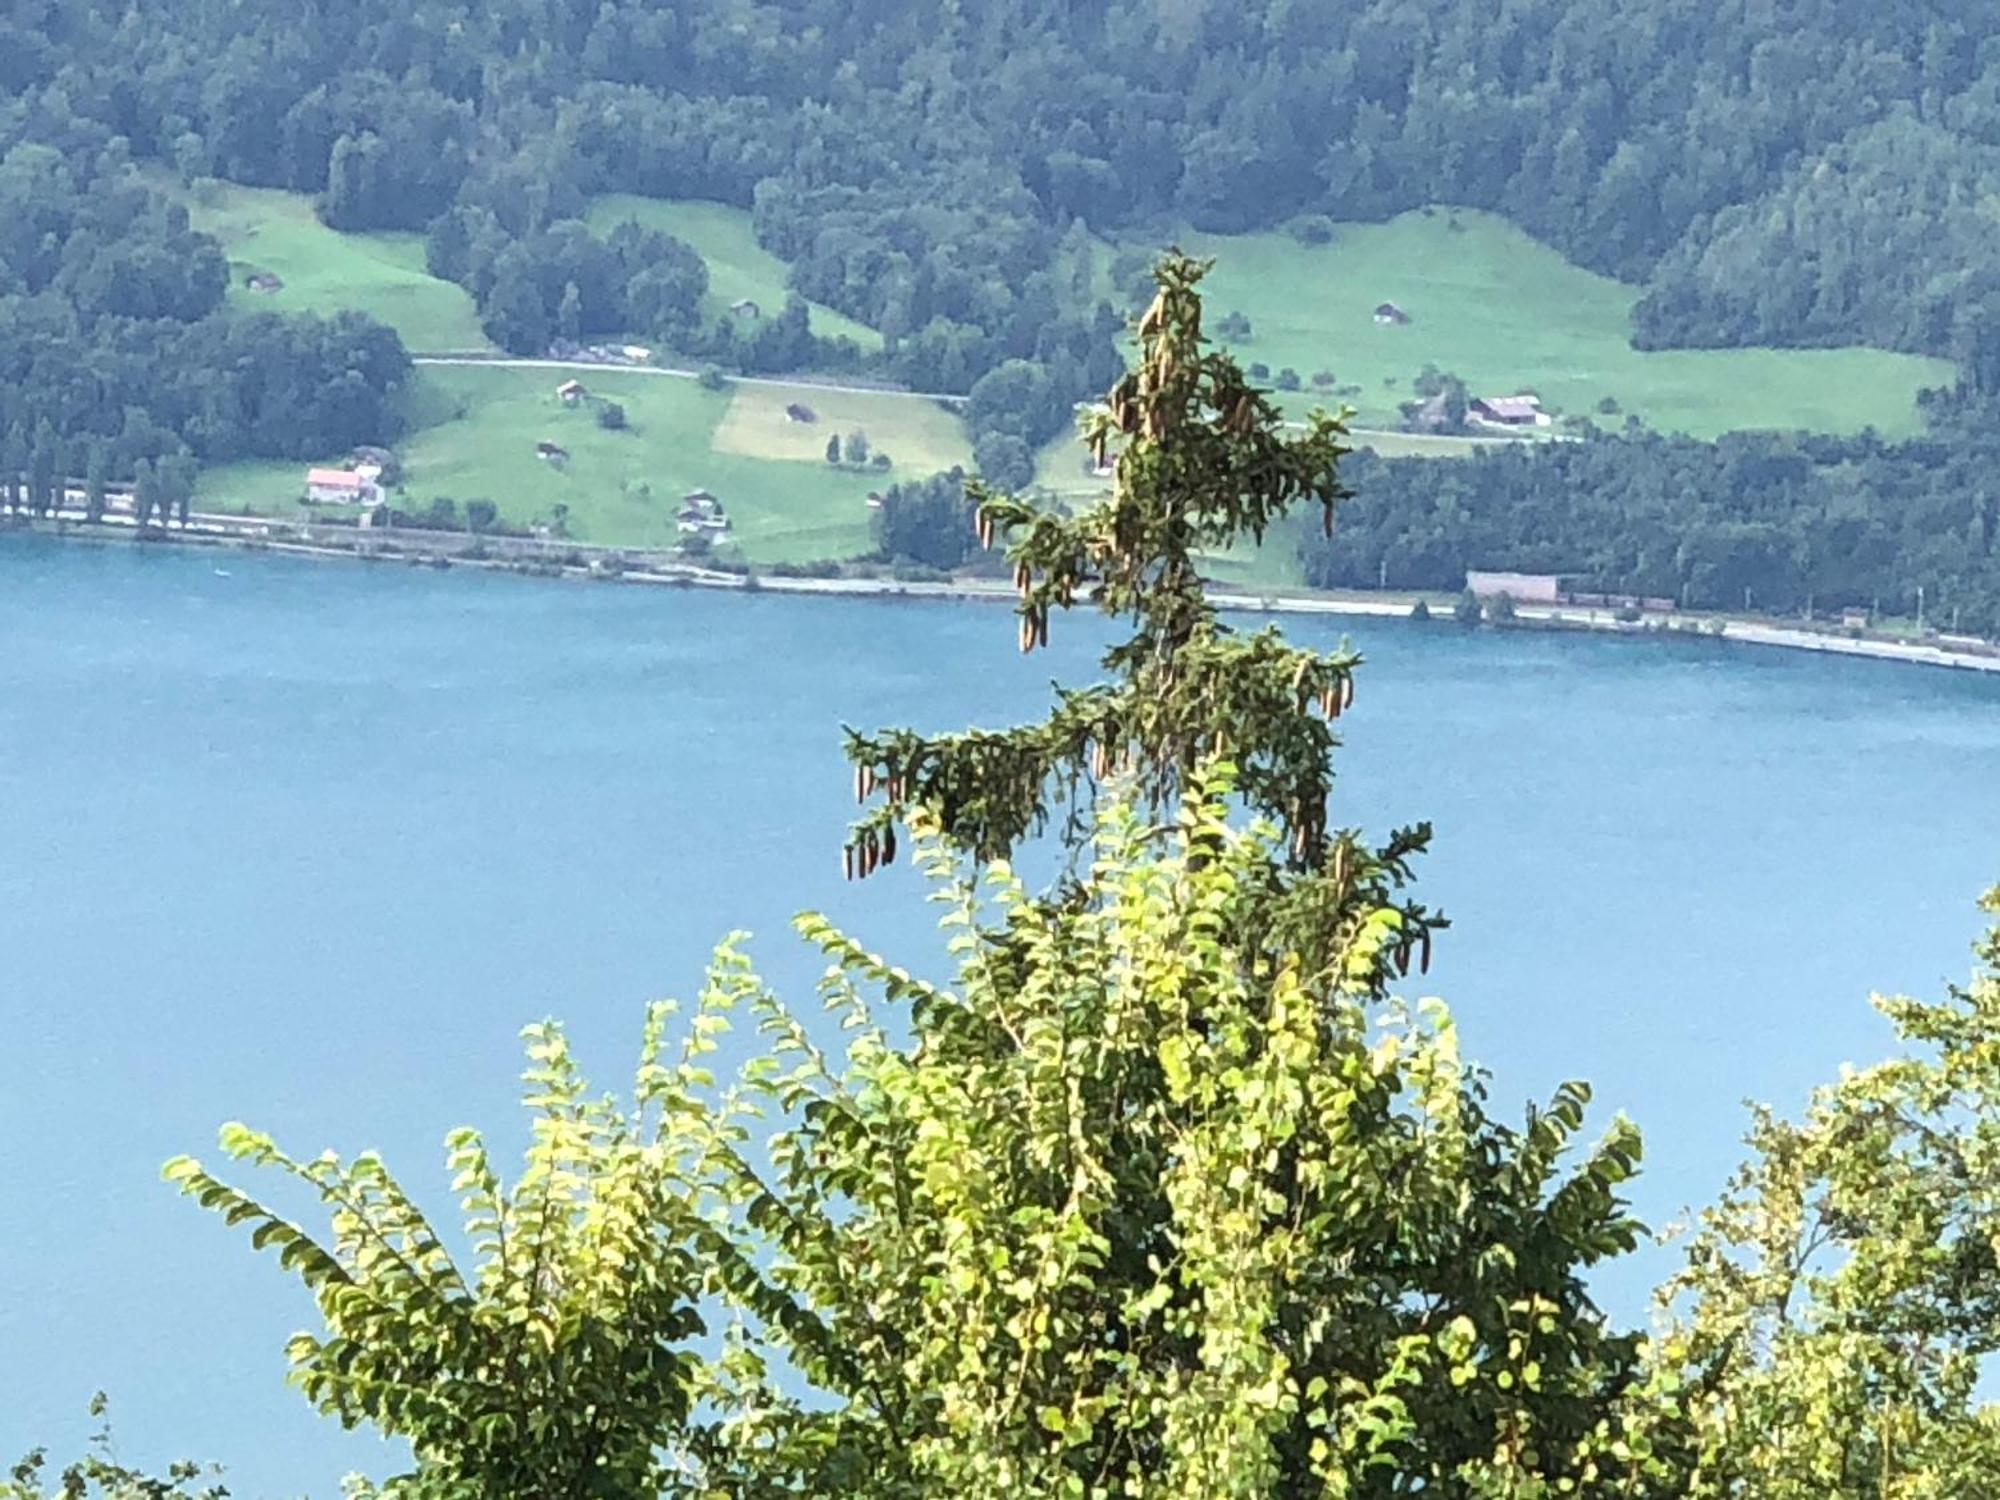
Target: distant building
[554, 452]
[798, 411]
[1508, 411]
[341, 487]
[1854, 619]
[875, 501]
[1522, 588]
[744, 307]
[1388, 313]
[571, 392]
[637, 353]
[701, 511]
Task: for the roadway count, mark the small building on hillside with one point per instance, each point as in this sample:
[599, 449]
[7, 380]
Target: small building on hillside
[1507, 411]
[798, 411]
[1522, 588]
[701, 511]
[1390, 315]
[555, 453]
[744, 307]
[637, 353]
[1854, 619]
[340, 487]
[571, 391]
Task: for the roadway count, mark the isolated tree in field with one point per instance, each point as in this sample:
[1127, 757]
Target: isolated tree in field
[856, 447]
[833, 447]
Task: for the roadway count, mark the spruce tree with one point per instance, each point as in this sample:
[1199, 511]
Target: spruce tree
[1203, 461]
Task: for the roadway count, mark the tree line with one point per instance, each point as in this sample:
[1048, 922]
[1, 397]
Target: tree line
[1784, 523]
[116, 348]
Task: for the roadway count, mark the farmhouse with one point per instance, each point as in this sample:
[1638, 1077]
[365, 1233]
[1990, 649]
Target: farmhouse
[553, 452]
[1388, 313]
[798, 411]
[744, 307]
[341, 487]
[1508, 411]
[701, 511]
[571, 392]
[1522, 588]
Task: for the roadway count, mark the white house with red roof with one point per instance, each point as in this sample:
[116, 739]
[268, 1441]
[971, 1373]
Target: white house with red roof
[341, 487]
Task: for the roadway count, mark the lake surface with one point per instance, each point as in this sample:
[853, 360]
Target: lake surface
[306, 844]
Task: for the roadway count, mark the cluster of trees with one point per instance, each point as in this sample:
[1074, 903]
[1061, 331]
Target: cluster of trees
[1164, 1195]
[1782, 522]
[561, 281]
[116, 349]
[928, 521]
[855, 451]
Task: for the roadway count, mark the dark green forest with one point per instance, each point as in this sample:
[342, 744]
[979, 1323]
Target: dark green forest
[1784, 523]
[1815, 173]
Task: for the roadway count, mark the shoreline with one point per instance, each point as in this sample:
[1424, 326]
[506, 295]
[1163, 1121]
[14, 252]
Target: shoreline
[251, 534]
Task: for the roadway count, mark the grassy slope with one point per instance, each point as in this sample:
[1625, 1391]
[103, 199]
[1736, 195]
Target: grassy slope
[737, 265]
[324, 271]
[1508, 313]
[623, 488]
[920, 436]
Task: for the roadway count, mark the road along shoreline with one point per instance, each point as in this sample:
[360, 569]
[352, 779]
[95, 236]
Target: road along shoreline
[551, 559]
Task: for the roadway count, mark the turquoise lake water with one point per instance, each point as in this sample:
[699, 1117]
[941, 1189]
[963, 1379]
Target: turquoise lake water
[306, 844]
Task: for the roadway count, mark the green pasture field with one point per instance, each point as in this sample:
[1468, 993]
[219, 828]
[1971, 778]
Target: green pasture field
[921, 437]
[321, 270]
[1509, 314]
[622, 488]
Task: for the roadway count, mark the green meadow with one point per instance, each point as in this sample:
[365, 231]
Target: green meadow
[1507, 313]
[738, 267]
[1485, 301]
[622, 488]
[265, 232]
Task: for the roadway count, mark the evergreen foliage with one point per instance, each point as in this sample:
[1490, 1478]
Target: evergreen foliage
[1204, 461]
[1798, 522]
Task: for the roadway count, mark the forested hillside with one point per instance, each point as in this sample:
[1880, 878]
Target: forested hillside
[922, 164]
[956, 177]
[1782, 523]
